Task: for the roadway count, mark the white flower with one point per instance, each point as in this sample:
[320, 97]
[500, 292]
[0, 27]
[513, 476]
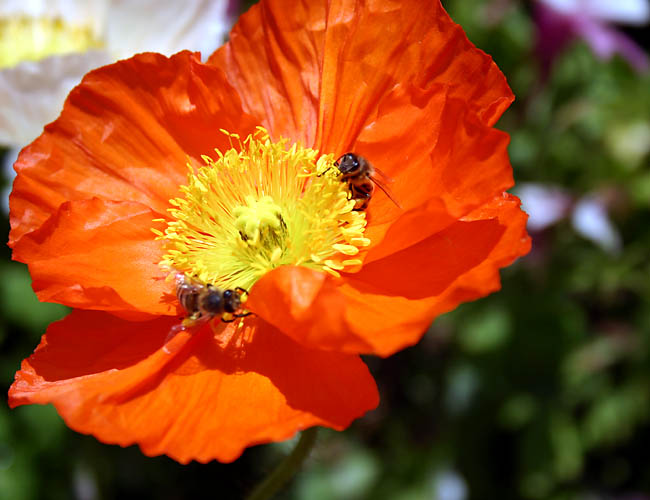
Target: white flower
[591, 220]
[64, 39]
[544, 204]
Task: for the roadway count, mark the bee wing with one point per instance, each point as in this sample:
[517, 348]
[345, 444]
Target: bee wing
[182, 280]
[381, 179]
[385, 178]
[170, 346]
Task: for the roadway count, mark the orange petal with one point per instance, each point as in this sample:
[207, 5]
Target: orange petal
[110, 378]
[389, 304]
[445, 163]
[484, 278]
[97, 254]
[126, 133]
[314, 71]
[273, 60]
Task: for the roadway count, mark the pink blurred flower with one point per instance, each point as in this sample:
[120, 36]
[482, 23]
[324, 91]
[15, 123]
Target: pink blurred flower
[547, 205]
[562, 21]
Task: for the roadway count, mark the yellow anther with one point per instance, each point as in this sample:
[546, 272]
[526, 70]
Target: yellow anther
[332, 272]
[362, 242]
[334, 265]
[276, 255]
[346, 249]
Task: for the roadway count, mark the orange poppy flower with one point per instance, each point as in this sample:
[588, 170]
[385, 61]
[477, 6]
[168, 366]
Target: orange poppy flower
[105, 212]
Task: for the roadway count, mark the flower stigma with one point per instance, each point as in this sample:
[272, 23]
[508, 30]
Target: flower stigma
[257, 207]
[32, 39]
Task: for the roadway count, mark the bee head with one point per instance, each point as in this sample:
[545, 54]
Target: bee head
[231, 301]
[348, 163]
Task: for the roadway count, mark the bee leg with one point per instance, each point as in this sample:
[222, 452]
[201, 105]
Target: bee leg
[228, 317]
[173, 331]
[243, 294]
[215, 330]
[242, 315]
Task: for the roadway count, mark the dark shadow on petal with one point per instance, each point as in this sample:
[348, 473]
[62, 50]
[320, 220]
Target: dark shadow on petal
[429, 267]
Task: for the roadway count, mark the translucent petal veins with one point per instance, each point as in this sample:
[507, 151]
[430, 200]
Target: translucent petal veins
[259, 206]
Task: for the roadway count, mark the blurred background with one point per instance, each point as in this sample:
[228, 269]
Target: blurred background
[540, 391]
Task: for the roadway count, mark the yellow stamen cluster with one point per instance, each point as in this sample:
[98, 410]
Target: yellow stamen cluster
[259, 206]
[32, 39]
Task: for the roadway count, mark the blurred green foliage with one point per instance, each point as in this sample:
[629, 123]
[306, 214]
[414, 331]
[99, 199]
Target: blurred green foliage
[541, 391]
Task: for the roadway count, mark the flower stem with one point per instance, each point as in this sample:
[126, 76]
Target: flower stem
[287, 468]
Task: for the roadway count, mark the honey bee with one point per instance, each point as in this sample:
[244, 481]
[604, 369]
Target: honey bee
[204, 301]
[362, 178]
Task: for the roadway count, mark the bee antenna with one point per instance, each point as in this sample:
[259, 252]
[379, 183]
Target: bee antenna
[325, 171]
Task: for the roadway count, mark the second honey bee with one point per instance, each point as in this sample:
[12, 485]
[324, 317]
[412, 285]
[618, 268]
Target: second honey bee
[203, 302]
[362, 178]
